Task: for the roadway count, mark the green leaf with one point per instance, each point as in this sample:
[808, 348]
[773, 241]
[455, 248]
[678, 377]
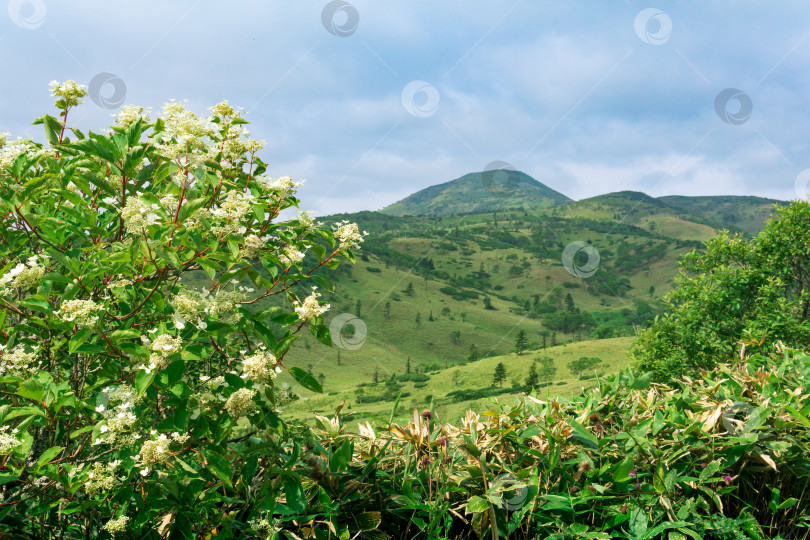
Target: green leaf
[477, 504]
[368, 521]
[143, 380]
[6, 478]
[710, 469]
[320, 331]
[643, 381]
[638, 523]
[79, 339]
[189, 207]
[342, 456]
[169, 256]
[583, 435]
[622, 472]
[78, 432]
[32, 390]
[48, 456]
[294, 492]
[120, 335]
[219, 467]
[37, 305]
[305, 379]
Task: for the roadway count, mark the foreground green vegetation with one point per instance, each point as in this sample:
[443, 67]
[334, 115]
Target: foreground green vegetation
[724, 456]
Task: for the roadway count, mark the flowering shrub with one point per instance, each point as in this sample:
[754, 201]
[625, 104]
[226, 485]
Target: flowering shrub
[131, 401]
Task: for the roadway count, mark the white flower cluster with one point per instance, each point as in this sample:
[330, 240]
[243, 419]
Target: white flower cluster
[129, 114]
[169, 203]
[236, 142]
[11, 150]
[224, 110]
[348, 234]
[18, 362]
[24, 275]
[82, 312]
[138, 215]
[8, 441]
[157, 450]
[185, 127]
[116, 525]
[225, 302]
[188, 304]
[263, 524]
[240, 402]
[162, 347]
[236, 206]
[119, 416]
[102, 477]
[70, 91]
[310, 307]
[284, 186]
[259, 367]
[306, 221]
[253, 246]
[3, 138]
[290, 255]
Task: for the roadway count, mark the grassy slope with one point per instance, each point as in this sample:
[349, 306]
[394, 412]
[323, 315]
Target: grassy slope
[475, 375]
[748, 214]
[639, 209]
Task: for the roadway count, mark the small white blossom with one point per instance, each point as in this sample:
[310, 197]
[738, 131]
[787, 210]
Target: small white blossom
[19, 362]
[82, 312]
[23, 275]
[259, 367]
[291, 256]
[70, 91]
[348, 234]
[284, 186]
[240, 403]
[139, 214]
[116, 525]
[253, 246]
[130, 114]
[7, 442]
[310, 307]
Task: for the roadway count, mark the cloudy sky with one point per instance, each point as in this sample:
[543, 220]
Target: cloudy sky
[370, 101]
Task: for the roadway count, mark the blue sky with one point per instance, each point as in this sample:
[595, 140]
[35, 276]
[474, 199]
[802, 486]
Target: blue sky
[587, 97]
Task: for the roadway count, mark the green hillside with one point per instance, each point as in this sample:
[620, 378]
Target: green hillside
[478, 192]
[459, 388]
[452, 292]
[737, 213]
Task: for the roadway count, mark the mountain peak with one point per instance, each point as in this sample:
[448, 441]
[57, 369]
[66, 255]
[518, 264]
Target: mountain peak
[485, 191]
